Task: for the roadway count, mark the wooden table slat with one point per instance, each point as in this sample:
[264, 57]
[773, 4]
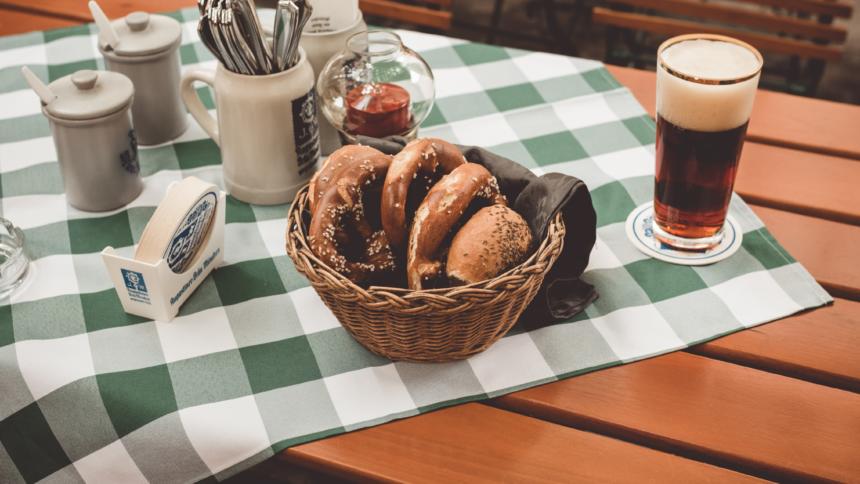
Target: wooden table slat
[819, 346]
[18, 22]
[798, 181]
[779, 119]
[78, 11]
[479, 443]
[827, 249]
[759, 422]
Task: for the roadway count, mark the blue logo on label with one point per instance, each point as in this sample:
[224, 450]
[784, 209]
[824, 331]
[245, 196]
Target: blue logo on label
[190, 234]
[136, 286]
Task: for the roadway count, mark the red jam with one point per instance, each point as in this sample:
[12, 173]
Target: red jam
[377, 110]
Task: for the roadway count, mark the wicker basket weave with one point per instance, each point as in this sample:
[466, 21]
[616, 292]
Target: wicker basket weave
[426, 325]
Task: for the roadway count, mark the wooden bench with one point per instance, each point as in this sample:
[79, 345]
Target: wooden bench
[802, 30]
[435, 14]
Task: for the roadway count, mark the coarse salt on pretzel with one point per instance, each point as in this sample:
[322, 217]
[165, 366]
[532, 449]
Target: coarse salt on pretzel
[341, 207]
[428, 157]
[437, 215]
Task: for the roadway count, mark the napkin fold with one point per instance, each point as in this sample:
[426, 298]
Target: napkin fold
[538, 199]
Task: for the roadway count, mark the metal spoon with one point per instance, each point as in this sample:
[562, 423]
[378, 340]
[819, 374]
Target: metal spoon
[305, 12]
[245, 13]
[286, 19]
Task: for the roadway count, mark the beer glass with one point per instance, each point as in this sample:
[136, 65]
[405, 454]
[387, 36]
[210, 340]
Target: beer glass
[705, 90]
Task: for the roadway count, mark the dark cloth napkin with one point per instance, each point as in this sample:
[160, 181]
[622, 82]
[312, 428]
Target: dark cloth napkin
[538, 199]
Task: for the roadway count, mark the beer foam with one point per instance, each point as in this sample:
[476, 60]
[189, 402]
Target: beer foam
[706, 107]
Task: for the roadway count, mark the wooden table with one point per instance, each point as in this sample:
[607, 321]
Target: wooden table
[778, 402]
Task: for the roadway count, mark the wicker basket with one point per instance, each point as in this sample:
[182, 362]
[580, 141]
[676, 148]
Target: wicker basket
[427, 325]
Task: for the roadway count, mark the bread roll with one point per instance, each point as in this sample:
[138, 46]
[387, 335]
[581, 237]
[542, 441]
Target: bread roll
[495, 239]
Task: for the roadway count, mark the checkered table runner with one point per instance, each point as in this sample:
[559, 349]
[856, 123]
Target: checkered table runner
[256, 363]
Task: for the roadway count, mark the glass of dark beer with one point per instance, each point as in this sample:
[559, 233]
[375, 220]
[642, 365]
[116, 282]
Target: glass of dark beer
[705, 90]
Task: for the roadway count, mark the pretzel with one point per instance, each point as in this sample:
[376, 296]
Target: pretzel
[440, 211]
[429, 157]
[332, 166]
[341, 208]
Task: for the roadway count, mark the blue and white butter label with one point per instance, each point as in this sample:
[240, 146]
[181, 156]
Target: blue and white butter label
[136, 286]
[191, 233]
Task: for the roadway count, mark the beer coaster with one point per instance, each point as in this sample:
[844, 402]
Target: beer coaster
[638, 227]
[179, 225]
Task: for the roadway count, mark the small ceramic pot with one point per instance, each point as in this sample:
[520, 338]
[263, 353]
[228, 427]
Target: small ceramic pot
[148, 53]
[95, 141]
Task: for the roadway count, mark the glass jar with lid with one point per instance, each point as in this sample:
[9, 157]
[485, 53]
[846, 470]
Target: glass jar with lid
[376, 86]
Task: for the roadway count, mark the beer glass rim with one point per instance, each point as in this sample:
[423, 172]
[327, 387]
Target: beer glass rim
[706, 80]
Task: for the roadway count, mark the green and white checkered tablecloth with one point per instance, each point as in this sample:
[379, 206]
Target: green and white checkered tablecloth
[256, 363]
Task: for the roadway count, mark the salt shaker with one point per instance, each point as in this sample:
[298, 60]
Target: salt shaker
[96, 146]
[145, 48]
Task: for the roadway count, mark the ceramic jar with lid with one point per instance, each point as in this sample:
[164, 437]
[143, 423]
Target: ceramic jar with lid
[148, 53]
[95, 141]
[320, 46]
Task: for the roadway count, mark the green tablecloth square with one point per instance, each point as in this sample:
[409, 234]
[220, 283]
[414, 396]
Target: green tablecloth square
[617, 289]
[239, 212]
[741, 263]
[661, 281]
[442, 57]
[515, 151]
[290, 277]
[560, 88]
[180, 463]
[714, 319]
[7, 336]
[157, 158]
[23, 128]
[615, 203]
[206, 296]
[337, 352]
[29, 441]
[766, 250]
[12, 80]
[134, 398]
[265, 368]
[642, 128]
[83, 428]
[264, 320]
[57, 71]
[209, 378]
[126, 348]
[188, 54]
[513, 97]
[87, 235]
[463, 106]
[435, 118]
[65, 312]
[45, 240]
[55, 34]
[247, 280]
[605, 138]
[102, 310]
[600, 80]
[554, 148]
[476, 54]
[39, 179]
[298, 410]
[196, 154]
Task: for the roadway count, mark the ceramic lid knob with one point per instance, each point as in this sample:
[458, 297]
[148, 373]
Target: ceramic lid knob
[89, 94]
[137, 21]
[85, 79]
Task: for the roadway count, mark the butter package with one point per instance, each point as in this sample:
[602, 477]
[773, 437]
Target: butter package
[180, 245]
